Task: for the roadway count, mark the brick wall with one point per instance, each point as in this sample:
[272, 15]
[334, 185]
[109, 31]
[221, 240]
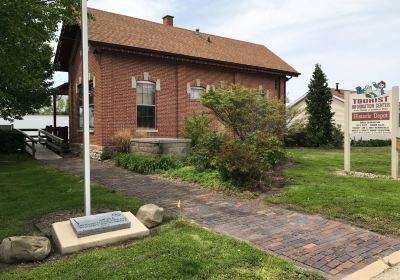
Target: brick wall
[115, 99]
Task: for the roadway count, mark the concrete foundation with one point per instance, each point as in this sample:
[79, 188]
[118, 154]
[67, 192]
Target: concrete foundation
[174, 147]
[68, 242]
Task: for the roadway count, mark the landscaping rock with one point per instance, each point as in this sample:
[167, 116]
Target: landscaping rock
[150, 215]
[24, 248]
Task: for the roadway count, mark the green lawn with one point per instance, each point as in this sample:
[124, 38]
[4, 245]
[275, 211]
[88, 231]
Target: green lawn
[314, 188]
[176, 250]
[30, 189]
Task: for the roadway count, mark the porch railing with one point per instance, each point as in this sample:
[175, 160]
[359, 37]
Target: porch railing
[29, 141]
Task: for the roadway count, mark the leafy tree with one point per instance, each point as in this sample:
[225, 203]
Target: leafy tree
[196, 127]
[245, 111]
[27, 28]
[61, 106]
[250, 144]
[319, 100]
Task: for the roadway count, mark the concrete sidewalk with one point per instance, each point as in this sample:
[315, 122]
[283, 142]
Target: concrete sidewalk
[45, 154]
[390, 274]
[333, 248]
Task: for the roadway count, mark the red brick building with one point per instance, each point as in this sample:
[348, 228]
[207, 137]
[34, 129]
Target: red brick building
[147, 76]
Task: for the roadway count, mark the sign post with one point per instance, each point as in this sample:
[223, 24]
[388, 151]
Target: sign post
[85, 82]
[347, 139]
[372, 112]
[395, 129]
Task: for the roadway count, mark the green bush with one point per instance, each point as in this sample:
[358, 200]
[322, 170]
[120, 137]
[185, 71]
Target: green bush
[301, 137]
[204, 152]
[196, 127]
[11, 141]
[371, 143]
[247, 161]
[143, 164]
[296, 138]
[244, 111]
[250, 144]
[337, 137]
[106, 154]
[208, 178]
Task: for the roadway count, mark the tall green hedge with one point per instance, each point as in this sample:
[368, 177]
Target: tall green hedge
[11, 141]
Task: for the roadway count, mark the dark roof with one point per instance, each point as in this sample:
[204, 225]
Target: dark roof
[340, 92]
[119, 30]
[62, 89]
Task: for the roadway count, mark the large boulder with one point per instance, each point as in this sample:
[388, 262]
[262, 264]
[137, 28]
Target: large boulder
[24, 248]
[150, 215]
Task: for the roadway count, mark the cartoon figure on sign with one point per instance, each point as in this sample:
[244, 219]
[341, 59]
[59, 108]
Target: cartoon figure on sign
[367, 90]
[369, 93]
[380, 87]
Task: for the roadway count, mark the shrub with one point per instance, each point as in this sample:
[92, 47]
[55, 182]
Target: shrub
[204, 152]
[296, 132]
[244, 111]
[207, 178]
[11, 141]
[196, 127]
[122, 140]
[247, 161]
[250, 144]
[371, 143]
[143, 164]
[337, 136]
[298, 135]
[106, 154]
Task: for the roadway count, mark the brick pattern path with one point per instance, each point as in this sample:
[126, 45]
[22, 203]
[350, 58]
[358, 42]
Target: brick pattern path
[333, 248]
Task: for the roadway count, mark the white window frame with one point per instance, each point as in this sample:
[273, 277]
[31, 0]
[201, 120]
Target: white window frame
[91, 106]
[138, 83]
[192, 94]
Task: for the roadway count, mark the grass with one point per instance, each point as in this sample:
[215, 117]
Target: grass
[30, 190]
[176, 250]
[314, 188]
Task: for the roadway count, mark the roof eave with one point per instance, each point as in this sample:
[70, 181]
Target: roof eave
[64, 46]
[155, 53]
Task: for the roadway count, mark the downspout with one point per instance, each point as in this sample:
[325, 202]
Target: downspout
[177, 99]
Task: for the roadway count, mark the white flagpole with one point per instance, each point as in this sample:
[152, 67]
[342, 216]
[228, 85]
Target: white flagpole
[85, 81]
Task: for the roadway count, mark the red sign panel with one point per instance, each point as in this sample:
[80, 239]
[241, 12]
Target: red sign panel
[371, 116]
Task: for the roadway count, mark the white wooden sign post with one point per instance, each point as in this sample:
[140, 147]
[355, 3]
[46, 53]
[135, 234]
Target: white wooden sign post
[395, 131]
[372, 112]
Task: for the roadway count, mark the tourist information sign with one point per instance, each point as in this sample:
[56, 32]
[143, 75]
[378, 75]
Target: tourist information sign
[372, 110]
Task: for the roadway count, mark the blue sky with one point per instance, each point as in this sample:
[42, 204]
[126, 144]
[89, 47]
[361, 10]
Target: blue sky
[356, 41]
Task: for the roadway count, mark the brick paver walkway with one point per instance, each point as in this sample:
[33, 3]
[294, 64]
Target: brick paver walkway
[334, 248]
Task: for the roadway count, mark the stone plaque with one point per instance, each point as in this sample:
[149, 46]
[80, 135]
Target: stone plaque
[100, 223]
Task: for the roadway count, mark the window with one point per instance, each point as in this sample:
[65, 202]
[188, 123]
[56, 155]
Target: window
[196, 92]
[91, 105]
[146, 105]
